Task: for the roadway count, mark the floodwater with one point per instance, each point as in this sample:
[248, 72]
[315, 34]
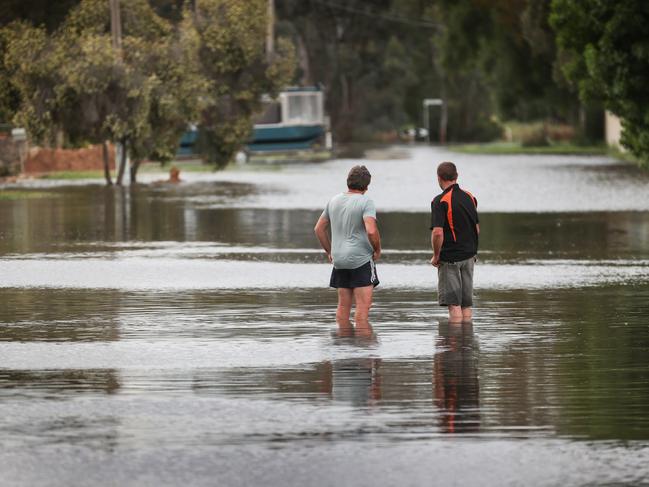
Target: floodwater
[168, 335]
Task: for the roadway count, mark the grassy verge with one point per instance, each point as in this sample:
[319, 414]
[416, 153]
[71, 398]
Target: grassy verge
[626, 156]
[149, 167]
[72, 175]
[505, 148]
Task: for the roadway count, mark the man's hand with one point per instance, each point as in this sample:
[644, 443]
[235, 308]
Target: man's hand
[373, 235]
[436, 241]
[330, 258]
[323, 236]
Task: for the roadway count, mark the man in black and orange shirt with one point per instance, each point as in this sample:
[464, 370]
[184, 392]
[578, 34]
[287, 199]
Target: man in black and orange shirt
[454, 238]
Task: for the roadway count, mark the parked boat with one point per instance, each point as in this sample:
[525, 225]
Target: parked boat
[294, 121]
[292, 126]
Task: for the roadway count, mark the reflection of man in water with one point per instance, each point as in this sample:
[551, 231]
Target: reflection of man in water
[354, 247]
[454, 238]
[455, 377]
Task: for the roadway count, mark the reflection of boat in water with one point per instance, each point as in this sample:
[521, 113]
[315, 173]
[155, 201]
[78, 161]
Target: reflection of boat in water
[455, 376]
[292, 126]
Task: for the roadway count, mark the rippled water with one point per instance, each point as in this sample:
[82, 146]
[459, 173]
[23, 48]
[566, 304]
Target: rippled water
[163, 335]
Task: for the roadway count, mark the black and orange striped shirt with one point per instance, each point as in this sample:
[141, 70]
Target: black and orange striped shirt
[456, 211]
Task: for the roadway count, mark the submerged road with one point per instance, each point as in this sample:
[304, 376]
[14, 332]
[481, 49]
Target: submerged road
[166, 335]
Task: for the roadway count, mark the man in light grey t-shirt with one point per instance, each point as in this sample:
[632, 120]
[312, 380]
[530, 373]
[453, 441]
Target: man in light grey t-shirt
[354, 247]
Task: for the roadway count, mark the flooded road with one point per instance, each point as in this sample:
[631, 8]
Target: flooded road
[166, 335]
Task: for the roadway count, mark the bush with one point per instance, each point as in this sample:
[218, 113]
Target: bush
[540, 134]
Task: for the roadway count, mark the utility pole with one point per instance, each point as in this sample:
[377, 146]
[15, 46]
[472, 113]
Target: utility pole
[270, 33]
[115, 25]
[121, 157]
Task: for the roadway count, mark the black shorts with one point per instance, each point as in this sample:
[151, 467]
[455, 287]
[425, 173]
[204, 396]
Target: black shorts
[362, 276]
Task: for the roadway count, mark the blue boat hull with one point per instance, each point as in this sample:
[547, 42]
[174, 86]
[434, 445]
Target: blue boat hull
[291, 137]
[266, 139]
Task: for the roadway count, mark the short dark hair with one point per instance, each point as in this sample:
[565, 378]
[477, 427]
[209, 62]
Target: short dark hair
[447, 171]
[358, 178]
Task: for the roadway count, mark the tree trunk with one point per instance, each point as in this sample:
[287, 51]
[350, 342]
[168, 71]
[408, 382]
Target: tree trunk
[104, 151]
[134, 167]
[122, 164]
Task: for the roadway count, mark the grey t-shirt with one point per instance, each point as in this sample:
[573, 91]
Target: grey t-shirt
[350, 247]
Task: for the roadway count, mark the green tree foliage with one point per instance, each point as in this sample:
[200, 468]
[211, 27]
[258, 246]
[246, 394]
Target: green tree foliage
[9, 95]
[210, 67]
[378, 60]
[39, 13]
[359, 59]
[237, 69]
[43, 13]
[606, 54]
[74, 83]
[457, 58]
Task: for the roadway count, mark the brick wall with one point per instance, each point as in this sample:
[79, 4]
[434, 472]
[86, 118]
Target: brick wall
[41, 160]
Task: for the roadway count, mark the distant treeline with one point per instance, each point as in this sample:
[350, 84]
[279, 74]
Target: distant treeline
[491, 60]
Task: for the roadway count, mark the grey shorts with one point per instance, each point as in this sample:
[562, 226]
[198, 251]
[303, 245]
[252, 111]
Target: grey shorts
[455, 283]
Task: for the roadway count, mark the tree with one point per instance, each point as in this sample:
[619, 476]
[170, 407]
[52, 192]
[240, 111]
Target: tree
[75, 89]
[236, 69]
[458, 56]
[605, 48]
[342, 47]
[9, 95]
[43, 13]
[210, 68]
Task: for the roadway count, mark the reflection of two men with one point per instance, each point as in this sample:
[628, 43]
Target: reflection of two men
[455, 378]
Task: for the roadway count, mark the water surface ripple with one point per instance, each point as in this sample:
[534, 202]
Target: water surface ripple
[162, 335]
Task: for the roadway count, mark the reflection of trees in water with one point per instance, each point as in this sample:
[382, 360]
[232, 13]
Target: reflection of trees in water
[455, 379]
[51, 383]
[60, 315]
[187, 211]
[591, 235]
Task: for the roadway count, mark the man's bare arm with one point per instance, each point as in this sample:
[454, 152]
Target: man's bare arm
[477, 227]
[373, 235]
[436, 241]
[323, 236]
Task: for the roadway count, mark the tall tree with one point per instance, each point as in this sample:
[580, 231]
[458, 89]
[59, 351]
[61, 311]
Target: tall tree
[606, 54]
[237, 70]
[74, 83]
[210, 68]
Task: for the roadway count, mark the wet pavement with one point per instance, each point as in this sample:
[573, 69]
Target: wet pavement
[166, 335]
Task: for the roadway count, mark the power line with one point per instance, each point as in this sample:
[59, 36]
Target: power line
[388, 17]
